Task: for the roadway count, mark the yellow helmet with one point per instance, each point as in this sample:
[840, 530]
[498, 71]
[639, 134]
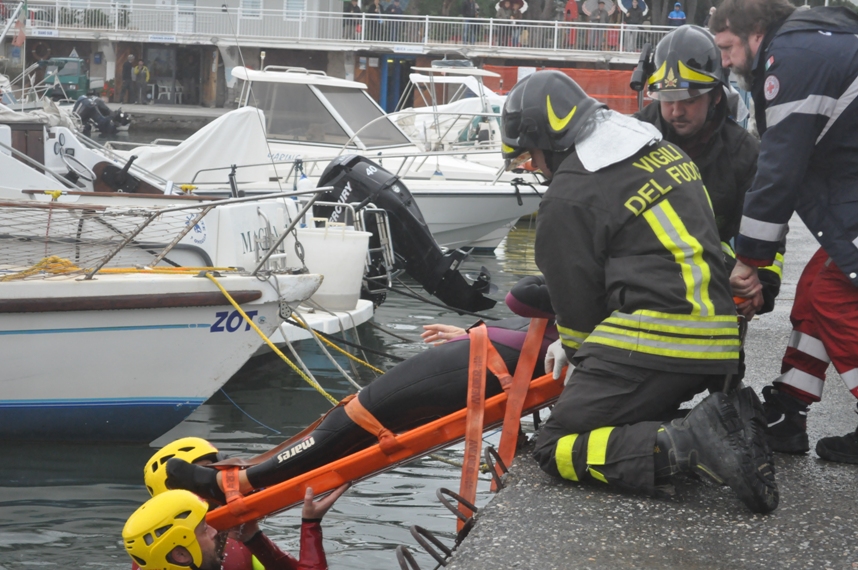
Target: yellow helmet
[161, 524]
[190, 449]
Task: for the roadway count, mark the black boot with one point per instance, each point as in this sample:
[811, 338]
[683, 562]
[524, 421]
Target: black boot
[710, 441]
[787, 422]
[843, 449]
[197, 479]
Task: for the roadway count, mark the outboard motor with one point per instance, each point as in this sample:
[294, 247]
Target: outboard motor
[90, 110]
[359, 180]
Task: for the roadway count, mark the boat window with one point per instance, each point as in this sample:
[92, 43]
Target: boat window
[293, 112]
[70, 68]
[356, 108]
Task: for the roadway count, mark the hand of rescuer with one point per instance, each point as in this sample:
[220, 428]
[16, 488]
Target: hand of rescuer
[556, 360]
[315, 510]
[436, 334]
[745, 283]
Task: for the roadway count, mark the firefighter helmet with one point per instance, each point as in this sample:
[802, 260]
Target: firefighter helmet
[545, 110]
[687, 64]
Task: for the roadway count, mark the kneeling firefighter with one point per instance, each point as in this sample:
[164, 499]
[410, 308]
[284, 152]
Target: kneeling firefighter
[628, 245]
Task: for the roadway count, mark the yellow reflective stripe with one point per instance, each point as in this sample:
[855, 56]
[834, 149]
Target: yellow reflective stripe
[558, 124]
[687, 252]
[596, 475]
[712, 343]
[597, 446]
[686, 72]
[608, 340]
[659, 74]
[680, 317]
[563, 457]
[571, 338]
[777, 267]
[725, 247]
[638, 324]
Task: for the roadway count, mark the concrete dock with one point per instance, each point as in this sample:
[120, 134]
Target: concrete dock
[539, 522]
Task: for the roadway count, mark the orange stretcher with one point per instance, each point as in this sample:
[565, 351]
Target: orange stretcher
[396, 449]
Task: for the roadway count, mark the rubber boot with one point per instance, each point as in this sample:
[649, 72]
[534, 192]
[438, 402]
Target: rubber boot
[711, 442]
[786, 420]
[843, 449]
[201, 481]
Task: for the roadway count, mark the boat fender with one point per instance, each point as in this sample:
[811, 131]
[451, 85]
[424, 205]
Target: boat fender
[357, 179]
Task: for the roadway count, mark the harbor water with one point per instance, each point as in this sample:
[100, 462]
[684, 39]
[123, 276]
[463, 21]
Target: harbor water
[64, 505]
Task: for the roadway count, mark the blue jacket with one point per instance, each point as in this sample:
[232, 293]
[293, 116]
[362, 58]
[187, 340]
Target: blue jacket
[676, 18]
[805, 86]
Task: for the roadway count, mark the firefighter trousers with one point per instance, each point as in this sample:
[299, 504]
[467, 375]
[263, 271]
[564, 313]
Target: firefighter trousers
[825, 330]
[604, 424]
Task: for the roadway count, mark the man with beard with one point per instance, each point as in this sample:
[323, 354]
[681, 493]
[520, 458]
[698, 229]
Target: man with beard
[802, 69]
[169, 532]
[691, 111]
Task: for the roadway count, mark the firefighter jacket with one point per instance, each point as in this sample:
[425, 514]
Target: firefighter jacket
[726, 155]
[805, 85]
[633, 264]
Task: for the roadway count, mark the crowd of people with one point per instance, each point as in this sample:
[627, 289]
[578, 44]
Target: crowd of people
[649, 254]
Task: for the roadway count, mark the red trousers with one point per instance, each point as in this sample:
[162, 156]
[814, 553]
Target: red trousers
[825, 330]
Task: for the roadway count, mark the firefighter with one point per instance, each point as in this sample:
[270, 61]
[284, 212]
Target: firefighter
[691, 111]
[627, 243]
[802, 69]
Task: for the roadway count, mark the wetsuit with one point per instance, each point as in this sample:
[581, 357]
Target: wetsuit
[238, 555]
[424, 388]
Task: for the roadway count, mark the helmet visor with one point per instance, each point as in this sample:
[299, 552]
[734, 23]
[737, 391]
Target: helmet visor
[677, 94]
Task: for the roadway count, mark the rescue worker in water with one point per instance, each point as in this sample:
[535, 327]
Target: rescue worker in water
[628, 246]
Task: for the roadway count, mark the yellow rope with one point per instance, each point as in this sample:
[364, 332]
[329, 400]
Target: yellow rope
[334, 346]
[53, 264]
[271, 345]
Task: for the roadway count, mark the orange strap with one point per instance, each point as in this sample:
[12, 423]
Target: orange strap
[497, 366]
[234, 498]
[361, 416]
[474, 422]
[520, 385]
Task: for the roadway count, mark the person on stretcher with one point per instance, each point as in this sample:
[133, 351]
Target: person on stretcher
[425, 387]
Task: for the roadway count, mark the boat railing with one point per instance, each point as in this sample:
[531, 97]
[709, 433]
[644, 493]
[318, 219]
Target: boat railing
[249, 24]
[43, 239]
[317, 164]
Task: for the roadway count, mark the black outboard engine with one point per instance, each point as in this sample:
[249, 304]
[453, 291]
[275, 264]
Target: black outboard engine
[359, 180]
[90, 110]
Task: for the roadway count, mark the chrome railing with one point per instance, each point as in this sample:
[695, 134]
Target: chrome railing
[192, 23]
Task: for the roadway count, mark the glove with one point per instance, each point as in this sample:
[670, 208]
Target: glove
[556, 359]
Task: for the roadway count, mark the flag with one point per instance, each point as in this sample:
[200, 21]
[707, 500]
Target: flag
[20, 38]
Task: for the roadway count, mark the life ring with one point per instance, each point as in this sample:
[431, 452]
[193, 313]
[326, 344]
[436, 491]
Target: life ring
[41, 51]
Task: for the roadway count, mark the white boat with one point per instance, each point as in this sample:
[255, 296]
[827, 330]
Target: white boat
[95, 352]
[310, 118]
[233, 235]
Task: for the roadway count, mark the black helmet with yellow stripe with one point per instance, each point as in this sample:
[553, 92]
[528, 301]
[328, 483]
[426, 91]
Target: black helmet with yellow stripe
[544, 110]
[687, 64]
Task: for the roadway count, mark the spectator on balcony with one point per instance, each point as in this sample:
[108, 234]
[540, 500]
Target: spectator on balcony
[677, 17]
[503, 11]
[141, 82]
[709, 17]
[570, 14]
[394, 9]
[598, 16]
[373, 22]
[127, 80]
[470, 10]
[352, 20]
[634, 16]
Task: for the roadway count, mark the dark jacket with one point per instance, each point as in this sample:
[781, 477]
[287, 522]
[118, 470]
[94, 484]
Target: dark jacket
[469, 9]
[633, 264]
[635, 16]
[728, 164]
[805, 75]
[126, 70]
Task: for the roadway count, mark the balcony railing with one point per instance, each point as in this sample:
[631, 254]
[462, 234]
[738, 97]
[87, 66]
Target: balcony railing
[204, 24]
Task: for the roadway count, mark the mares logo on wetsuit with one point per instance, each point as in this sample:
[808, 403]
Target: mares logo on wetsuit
[293, 451]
